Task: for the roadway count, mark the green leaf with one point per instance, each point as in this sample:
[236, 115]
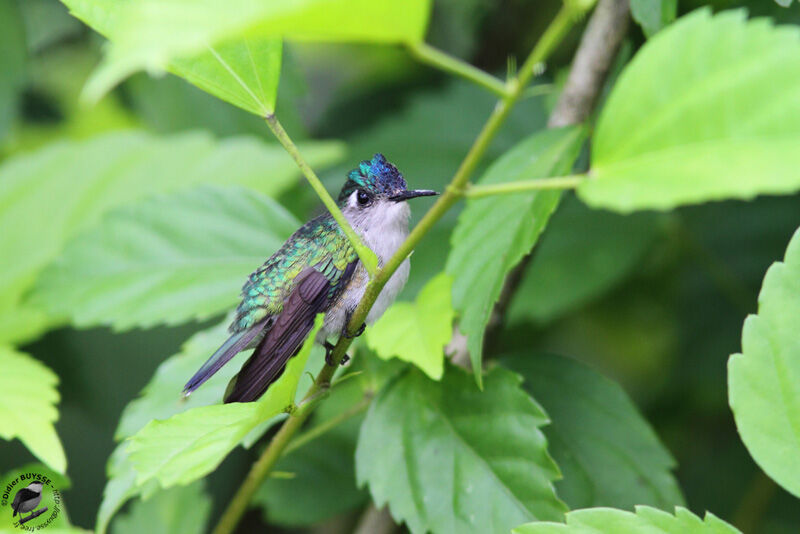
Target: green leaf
[417, 332]
[693, 119]
[652, 15]
[244, 72]
[184, 509]
[191, 444]
[646, 519]
[75, 183]
[27, 406]
[165, 260]
[160, 398]
[494, 233]
[607, 452]
[450, 458]
[149, 34]
[764, 380]
[120, 487]
[322, 483]
[584, 254]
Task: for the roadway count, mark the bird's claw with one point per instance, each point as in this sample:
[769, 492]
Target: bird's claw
[328, 355]
[328, 350]
[358, 332]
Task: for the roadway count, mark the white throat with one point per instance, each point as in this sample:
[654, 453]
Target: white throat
[383, 226]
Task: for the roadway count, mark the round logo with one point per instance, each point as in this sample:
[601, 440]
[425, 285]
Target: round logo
[29, 502]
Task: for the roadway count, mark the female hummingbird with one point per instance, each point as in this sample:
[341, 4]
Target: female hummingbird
[316, 271]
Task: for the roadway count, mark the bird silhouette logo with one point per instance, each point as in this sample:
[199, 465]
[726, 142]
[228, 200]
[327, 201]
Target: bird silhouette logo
[27, 499]
[32, 502]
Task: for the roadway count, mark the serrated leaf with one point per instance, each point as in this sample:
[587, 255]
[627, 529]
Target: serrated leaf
[322, 483]
[149, 34]
[692, 119]
[191, 444]
[49, 195]
[417, 332]
[27, 406]
[494, 233]
[184, 509]
[764, 380]
[607, 452]
[646, 519]
[165, 260]
[120, 487]
[447, 457]
[161, 397]
[652, 15]
[584, 254]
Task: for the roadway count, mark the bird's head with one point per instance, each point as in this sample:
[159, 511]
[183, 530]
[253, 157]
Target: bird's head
[35, 486]
[377, 179]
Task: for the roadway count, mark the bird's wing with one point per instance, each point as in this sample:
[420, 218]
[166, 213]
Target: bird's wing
[22, 495]
[318, 243]
[234, 344]
[311, 295]
[321, 243]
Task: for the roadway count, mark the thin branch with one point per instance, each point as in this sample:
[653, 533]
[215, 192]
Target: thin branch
[593, 59]
[555, 32]
[330, 424]
[538, 184]
[375, 521]
[365, 254]
[434, 57]
[598, 47]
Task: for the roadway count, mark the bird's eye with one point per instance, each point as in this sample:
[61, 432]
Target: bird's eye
[363, 197]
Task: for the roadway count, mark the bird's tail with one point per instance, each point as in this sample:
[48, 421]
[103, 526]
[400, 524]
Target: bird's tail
[232, 346]
[284, 338]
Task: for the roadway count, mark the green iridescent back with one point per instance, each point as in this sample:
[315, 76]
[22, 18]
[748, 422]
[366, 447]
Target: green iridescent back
[319, 243]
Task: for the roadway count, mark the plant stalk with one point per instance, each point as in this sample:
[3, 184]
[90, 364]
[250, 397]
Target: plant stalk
[365, 254]
[425, 53]
[559, 182]
[552, 36]
[328, 425]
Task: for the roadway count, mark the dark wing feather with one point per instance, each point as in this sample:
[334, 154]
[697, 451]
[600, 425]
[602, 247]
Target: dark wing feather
[309, 297]
[22, 496]
[233, 346]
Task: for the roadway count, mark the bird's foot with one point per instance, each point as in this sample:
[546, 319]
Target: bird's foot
[328, 352]
[329, 355]
[358, 332]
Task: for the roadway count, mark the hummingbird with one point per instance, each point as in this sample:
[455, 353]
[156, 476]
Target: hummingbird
[316, 271]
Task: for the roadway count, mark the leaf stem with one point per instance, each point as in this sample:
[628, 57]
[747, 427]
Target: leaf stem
[434, 57]
[365, 254]
[559, 182]
[328, 425]
[553, 35]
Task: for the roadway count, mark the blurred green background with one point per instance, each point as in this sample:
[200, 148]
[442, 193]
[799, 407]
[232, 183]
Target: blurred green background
[664, 329]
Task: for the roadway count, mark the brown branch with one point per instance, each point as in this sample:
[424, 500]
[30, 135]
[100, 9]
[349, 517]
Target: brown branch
[375, 521]
[599, 44]
[598, 47]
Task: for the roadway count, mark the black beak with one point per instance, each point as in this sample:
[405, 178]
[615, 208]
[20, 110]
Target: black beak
[407, 195]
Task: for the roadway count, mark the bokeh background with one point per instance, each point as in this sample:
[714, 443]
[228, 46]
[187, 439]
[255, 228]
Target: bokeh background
[663, 321]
